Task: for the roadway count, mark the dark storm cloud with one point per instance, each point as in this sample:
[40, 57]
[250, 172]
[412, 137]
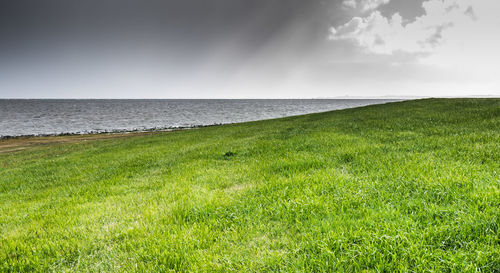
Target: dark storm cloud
[191, 23]
[45, 42]
[182, 33]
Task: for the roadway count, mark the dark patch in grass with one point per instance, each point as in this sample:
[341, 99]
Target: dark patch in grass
[228, 155]
[346, 158]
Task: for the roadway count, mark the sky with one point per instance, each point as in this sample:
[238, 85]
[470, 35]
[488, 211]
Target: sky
[248, 49]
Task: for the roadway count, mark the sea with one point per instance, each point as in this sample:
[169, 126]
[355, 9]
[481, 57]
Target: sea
[42, 117]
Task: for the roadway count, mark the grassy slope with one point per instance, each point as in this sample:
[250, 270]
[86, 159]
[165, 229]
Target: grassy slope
[411, 185]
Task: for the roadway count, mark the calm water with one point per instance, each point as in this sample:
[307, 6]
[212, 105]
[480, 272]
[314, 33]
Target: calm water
[39, 117]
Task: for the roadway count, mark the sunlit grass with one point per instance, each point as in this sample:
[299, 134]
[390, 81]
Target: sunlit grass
[409, 186]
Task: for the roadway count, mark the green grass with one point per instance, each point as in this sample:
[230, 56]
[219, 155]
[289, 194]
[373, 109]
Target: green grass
[408, 186]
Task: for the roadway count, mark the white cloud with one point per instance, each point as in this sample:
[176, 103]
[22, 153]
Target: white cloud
[364, 5]
[460, 36]
[444, 22]
[350, 4]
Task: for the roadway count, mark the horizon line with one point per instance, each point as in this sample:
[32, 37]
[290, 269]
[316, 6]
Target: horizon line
[274, 98]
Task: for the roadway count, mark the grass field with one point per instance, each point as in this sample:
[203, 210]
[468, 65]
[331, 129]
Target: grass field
[407, 186]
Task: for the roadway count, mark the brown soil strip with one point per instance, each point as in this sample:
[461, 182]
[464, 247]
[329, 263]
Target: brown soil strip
[22, 143]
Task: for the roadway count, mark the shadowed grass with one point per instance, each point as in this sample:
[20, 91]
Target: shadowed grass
[408, 186]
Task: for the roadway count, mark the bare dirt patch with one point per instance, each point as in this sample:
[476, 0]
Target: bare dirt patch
[23, 143]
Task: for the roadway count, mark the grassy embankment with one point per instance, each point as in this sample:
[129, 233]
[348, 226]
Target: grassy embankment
[404, 186]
